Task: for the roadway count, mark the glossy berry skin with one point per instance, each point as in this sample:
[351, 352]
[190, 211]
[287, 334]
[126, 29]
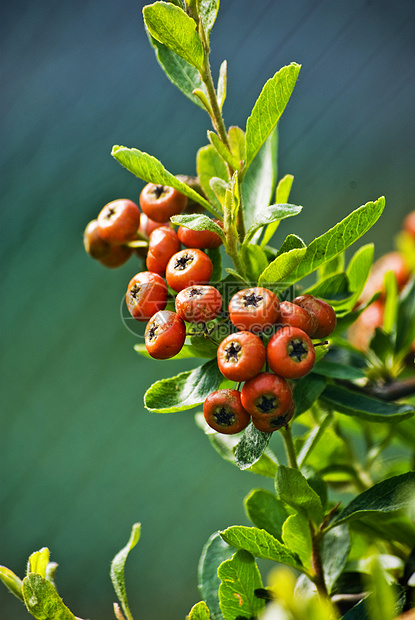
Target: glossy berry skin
[296, 316]
[188, 268]
[271, 423]
[165, 335]
[224, 413]
[254, 309]
[147, 225]
[160, 202]
[146, 295]
[94, 244]
[325, 314]
[118, 255]
[201, 239]
[198, 304]
[241, 356]
[119, 221]
[266, 395]
[290, 353]
[163, 243]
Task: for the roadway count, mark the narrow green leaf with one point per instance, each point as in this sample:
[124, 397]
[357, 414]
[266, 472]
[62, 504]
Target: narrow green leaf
[208, 10]
[259, 182]
[200, 611]
[338, 238]
[297, 537]
[187, 351]
[236, 137]
[240, 578]
[306, 391]
[42, 600]
[238, 276]
[335, 289]
[333, 266]
[171, 26]
[38, 562]
[198, 221]
[12, 582]
[281, 197]
[365, 407]
[219, 187]
[209, 164]
[250, 448]
[387, 496]
[266, 511]
[357, 272]
[268, 108]
[222, 84]
[182, 74]
[405, 324]
[186, 390]
[215, 551]
[335, 370]
[312, 440]
[203, 98]
[334, 552]
[149, 169]
[117, 569]
[293, 488]
[260, 544]
[277, 274]
[391, 304]
[271, 214]
[223, 150]
[255, 261]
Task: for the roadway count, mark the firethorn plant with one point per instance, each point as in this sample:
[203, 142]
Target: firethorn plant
[285, 350]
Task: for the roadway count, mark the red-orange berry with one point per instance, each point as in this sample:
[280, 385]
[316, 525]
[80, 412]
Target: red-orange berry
[241, 356]
[146, 295]
[296, 316]
[254, 309]
[163, 243]
[119, 221]
[188, 268]
[224, 413]
[201, 239]
[94, 244]
[290, 353]
[160, 202]
[325, 314]
[165, 335]
[266, 394]
[199, 303]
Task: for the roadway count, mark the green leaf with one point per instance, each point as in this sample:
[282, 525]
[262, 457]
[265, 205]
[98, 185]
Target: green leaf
[266, 511]
[236, 137]
[333, 266]
[223, 150]
[186, 390]
[255, 261]
[250, 448]
[387, 496]
[338, 238]
[198, 221]
[215, 551]
[357, 272]
[277, 273]
[291, 242]
[219, 188]
[306, 391]
[297, 537]
[42, 600]
[171, 26]
[240, 578]
[186, 352]
[208, 10]
[180, 73]
[365, 407]
[335, 289]
[282, 195]
[382, 601]
[312, 440]
[405, 324]
[268, 109]
[200, 611]
[334, 552]
[293, 488]
[12, 582]
[222, 84]
[216, 258]
[335, 370]
[38, 562]
[271, 214]
[149, 169]
[259, 182]
[209, 164]
[260, 544]
[117, 569]
[391, 304]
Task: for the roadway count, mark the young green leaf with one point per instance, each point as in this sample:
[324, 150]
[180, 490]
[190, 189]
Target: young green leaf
[38, 562]
[198, 221]
[149, 169]
[357, 272]
[277, 274]
[338, 238]
[281, 197]
[260, 544]
[405, 324]
[297, 537]
[180, 73]
[209, 164]
[255, 261]
[312, 440]
[222, 84]
[333, 266]
[170, 25]
[250, 448]
[12, 582]
[334, 552]
[236, 138]
[208, 10]
[390, 313]
[42, 599]
[186, 390]
[215, 551]
[219, 188]
[266, 511]
[270, 214]
[240, 578]
[200, 611]
[335, 289]
[268, 109]
[291, 242]
[223, 150]
[204, 100]
[365, 407]
[306, 391]
[387, 496]
[117, 569]
[292, 487]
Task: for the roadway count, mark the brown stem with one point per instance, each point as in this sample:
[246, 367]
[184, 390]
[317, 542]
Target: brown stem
[317, 562]
[389, 391]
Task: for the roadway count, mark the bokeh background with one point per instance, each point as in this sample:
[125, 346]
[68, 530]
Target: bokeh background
[81, 460]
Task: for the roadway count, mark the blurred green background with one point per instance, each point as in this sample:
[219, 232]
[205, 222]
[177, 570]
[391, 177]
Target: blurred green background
[81, 460]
